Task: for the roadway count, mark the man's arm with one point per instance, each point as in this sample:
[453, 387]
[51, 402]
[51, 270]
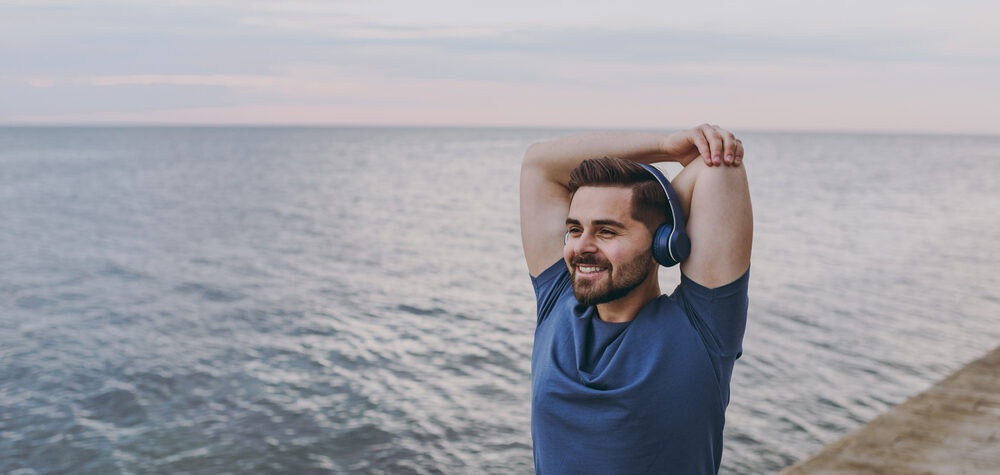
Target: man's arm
[716, 202]
[547, 165]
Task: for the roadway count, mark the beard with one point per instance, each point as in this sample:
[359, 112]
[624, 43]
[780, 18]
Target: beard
[618, 282]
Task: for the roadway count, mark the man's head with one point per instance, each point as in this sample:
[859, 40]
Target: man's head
[615, 208]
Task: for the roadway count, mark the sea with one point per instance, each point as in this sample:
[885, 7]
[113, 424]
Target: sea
[296, 300]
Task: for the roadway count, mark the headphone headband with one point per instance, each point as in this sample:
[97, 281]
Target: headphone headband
[673, 203]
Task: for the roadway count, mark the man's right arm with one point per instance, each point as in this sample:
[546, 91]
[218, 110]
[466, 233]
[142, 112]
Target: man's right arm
[546, 168]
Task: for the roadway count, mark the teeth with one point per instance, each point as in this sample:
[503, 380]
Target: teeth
[589, 270]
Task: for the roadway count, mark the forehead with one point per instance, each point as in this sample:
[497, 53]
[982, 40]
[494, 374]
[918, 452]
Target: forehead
[602, 202]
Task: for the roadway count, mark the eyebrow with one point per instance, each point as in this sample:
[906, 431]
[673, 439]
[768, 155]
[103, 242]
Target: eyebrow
[596, 222]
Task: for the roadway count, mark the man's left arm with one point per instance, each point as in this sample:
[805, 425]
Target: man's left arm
[716, 201]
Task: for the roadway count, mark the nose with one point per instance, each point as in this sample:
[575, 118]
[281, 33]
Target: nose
[582, 244]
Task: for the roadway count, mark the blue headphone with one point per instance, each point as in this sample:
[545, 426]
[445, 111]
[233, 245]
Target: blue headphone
[671, 244]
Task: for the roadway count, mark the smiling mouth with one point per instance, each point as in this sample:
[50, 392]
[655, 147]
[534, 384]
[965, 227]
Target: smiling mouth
[588, 270]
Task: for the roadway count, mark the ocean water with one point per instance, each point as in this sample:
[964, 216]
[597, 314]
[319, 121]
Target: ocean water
[354, 300]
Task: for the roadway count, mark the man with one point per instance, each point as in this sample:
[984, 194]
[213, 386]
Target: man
[624, 379]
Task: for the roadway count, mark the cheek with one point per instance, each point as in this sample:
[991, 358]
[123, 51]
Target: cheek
[614, 251]
[621, 254]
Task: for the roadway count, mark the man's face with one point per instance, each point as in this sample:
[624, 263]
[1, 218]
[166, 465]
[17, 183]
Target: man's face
[608, 252]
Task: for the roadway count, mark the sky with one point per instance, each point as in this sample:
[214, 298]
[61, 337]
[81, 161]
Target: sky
[872, 66]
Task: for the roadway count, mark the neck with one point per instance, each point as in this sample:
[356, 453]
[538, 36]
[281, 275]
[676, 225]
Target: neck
[626, 308]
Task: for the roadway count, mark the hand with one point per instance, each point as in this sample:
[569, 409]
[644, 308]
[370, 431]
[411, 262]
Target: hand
[710, 142]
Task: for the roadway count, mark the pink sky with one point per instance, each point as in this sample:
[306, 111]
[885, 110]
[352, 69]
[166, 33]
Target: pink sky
[769, 65]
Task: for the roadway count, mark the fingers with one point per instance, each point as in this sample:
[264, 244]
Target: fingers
[718, 146]
[704, 148]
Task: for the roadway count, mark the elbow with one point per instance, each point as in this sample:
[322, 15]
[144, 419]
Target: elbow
[698, 167]
[533, 155]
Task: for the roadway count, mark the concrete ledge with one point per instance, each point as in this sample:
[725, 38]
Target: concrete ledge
[952, 428]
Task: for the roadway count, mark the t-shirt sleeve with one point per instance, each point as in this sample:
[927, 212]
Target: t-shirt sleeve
[549, 285]
[720, 314]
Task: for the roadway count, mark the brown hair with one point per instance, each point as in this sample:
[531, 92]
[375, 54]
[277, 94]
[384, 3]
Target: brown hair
[649, 202]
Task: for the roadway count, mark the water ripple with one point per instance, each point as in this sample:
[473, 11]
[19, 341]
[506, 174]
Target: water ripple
[230, 300]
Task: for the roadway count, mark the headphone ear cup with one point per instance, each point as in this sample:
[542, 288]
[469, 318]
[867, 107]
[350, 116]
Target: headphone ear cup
[661, 246]
[681, 245]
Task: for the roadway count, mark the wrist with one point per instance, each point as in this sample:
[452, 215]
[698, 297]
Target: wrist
[673, 147]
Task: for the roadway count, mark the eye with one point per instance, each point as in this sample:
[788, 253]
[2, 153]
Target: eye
[573, 230]
[608, 232]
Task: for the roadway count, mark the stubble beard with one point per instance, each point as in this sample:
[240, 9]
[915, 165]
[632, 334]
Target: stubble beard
[616, 284]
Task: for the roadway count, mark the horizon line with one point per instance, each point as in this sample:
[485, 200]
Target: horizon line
[139, 124]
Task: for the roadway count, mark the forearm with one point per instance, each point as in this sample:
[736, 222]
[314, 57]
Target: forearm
[544, 190]
[557, 158]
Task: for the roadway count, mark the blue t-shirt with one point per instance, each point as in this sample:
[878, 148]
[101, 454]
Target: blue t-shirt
[645, 396]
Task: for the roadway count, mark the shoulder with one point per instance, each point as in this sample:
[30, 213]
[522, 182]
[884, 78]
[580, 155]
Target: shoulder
[718, 313]
[554, 272]
[551, 286]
